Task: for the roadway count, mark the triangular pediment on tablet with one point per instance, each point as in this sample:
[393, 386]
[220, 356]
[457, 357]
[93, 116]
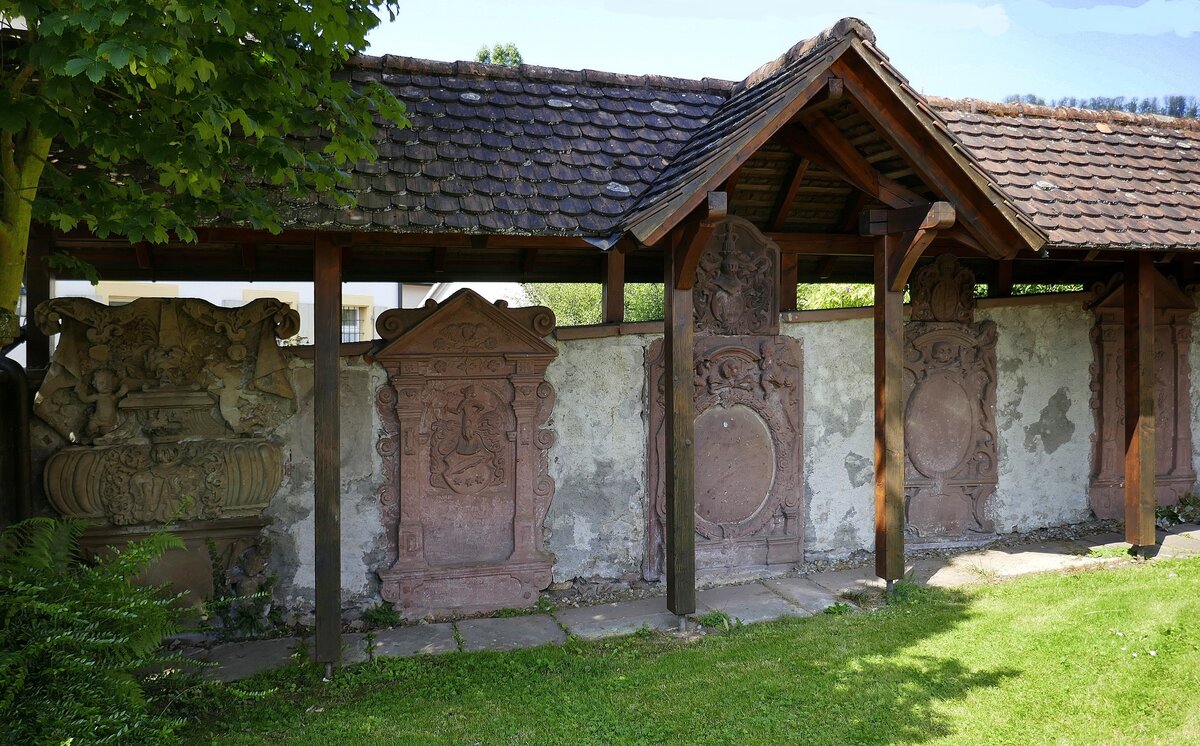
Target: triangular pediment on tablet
[1167, 295]
[466, 324]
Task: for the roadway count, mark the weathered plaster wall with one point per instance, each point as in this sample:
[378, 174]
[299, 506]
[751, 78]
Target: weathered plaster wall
[839, 432]
[291, 533]
[1043, 414]
[596, 525]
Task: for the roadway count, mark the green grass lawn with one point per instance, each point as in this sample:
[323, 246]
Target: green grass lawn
[1109, 656]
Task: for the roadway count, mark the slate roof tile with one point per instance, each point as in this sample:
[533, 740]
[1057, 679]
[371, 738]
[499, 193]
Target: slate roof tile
[559, 152]
[1089, 178]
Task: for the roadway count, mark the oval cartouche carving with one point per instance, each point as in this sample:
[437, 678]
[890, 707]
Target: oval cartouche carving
[735, 464]
[938, 427]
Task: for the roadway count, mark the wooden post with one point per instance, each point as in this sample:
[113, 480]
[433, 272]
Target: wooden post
[37, 291]
[327, 338]
[680, 437]
[614, 286]
[1003, 286]
[889, 413]
[788, 280]
[1139, 401]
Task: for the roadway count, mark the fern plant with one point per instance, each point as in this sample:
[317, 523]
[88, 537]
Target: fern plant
[74, 636]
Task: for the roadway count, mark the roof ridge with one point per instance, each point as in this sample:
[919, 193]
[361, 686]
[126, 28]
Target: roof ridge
[539, 73]
[834, 33]
[1062, 113]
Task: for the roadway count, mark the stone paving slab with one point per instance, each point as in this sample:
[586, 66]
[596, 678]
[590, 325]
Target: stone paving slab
[510, 633]
[420, 639]
[1190, 530]
[749, 603]
[1178, 545]
[620, 618]
[847, 581]
[990, 564]
[238, 660]
[803, 592]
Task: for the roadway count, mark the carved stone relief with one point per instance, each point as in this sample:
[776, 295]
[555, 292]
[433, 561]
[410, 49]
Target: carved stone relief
[1174, 473]
[168, 405]
[465, 445]
[950, 408]
[737, 283]
[748, 396]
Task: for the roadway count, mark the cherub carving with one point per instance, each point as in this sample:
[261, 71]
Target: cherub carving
[105, 416]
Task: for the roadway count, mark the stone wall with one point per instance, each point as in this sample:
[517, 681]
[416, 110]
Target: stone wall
[291, 531]
[597, 522]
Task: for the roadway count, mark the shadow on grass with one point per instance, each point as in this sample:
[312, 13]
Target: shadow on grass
[829, 679]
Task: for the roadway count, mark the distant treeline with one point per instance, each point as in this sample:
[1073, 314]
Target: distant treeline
[1172, 106]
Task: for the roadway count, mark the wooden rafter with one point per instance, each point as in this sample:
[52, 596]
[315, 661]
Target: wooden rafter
[824, 144]
[968, 188]
[787, 195]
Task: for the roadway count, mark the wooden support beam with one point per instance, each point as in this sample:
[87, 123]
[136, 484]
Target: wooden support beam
[825, 267]
[37, 291]
[732, 182]
[1002, 287]
[680, 436]
[935, 216]
[788, 194]
[694, 237]
[327, 322]
[439, 260]
[529, 260]
[144, 258]
[613, 292]
[918, 227]
[1139, 400]
[249, 257]
[788, 280]
[889, 412]
[843, 244]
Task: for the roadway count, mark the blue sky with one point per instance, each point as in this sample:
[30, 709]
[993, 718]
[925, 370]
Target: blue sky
[985, 50]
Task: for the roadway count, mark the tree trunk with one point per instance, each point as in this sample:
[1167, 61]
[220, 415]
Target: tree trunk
[22, 158]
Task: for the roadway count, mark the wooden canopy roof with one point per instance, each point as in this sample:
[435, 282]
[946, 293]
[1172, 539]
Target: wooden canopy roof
[521, 173]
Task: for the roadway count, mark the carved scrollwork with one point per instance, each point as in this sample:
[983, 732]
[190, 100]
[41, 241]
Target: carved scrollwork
[167, 403]
[465, 444]
[737, 285]
[949, 420]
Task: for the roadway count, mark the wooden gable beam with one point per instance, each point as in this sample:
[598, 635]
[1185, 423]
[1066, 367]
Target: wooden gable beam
[690, 241]
[919, 149]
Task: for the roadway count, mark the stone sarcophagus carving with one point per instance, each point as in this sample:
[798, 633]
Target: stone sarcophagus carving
[950, 408]
[168, 406]
[748, 405]
[464, 447]
[1174, 475]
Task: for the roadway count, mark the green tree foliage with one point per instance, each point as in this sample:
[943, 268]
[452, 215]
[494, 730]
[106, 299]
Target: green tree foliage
[74, 638]
[171, 113]
[500, 54]
[577, 303]
[1171, 106]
